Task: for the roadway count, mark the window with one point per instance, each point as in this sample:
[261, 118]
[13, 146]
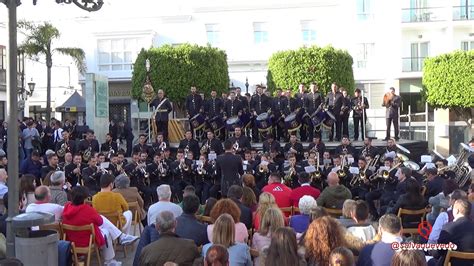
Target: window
[117, 54]
[467, 45]
[308, 31]
[364, 10]
[3, 57]
[213, 34]
[365, 51]
[260, 32]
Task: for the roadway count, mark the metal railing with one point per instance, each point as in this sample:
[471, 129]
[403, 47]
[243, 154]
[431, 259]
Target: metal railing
[424, 14]
[412, 64]
[409, 127]
[463, 12]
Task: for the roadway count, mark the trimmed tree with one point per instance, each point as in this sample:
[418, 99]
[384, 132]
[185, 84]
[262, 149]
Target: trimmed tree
[448, 83]
[176, 69]
[287, 69]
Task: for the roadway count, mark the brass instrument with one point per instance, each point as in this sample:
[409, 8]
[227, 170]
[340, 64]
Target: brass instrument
[236, 146]
[263, 168]
[386, 173]
[186, 149]
[162, 146]
[361, 176]
[162, 169]
[200, 169]
[288, 177]
[341, 173]
[110, 153]
[87, 154]
[317, 174]
[183, 166]
[205, 148]
[62, 151]
[462, 169]
[146, 175]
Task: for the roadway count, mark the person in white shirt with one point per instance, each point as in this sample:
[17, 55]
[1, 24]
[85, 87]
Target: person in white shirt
[3, 181]
[362, 229]
[27, 135]
[58, 132]
[43, 196]
[163, 204]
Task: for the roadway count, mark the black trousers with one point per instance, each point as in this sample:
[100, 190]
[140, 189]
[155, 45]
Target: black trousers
[162, 126]
[336, 128]
[393, 120]
[345, 124]
[359, 121]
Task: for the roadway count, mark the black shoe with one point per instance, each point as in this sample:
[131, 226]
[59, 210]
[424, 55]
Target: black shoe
[385, 139]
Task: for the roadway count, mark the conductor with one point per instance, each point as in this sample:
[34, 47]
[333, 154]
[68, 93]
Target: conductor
[229, 168]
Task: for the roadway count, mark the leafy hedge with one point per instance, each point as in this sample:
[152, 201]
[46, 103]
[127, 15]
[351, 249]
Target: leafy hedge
[287, 69]
[175, 69]
[448, 80]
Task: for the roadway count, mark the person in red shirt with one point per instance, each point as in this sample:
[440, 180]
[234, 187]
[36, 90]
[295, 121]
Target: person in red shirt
[304, 189]
[280, 191]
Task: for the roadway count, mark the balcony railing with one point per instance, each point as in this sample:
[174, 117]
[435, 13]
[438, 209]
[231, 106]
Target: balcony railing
[463, 12]
[412, 64]
[426, 14]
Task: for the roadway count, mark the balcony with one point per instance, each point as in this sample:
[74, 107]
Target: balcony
[461, 13]
[425, 14]
[412, 64]
[3, 79]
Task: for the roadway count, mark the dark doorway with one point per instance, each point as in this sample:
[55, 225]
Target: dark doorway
[120, 112]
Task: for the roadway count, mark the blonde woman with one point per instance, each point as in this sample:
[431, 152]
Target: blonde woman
[271, 221]
[265, 202]
[223, 233]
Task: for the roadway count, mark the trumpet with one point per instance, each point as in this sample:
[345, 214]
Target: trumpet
[200, 170]
[162, 169]
[87, 154]
[205, 147]
[288, 177]
[62, 151]
[317, 174]
[183, 166]
[236, 146]
[162, 146]
[110, 153]
[341, 173]
[262, 168]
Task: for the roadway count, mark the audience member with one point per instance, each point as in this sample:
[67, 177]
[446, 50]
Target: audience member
[210, 202]
[409, 258]
[27, 190]
[471, 193]
[362, 229]
[283, 249]
[271, 221]
[3, 182]
[304, 189]
[235, 193]
[163, 204]
[32, 165]
[248, 180]
[228, 206]
[435, 183]
[170, 247]
[58, 181]
[341, 256]
[42, 204]
[441, 201]
[249, 199]
[191, 190]
[265, 201]
[334, 195]
[130, 194]
[217, 255]
[223, 233]
[411, 200]
[106, 201]
[187, 224]
[280, 191]
[300, 222]
[149, 235]
[347, 209]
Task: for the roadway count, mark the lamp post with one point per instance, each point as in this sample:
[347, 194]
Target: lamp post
[246, 85]
[12, 131]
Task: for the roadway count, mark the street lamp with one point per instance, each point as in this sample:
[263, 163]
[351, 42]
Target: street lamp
[31, 87]
[246, 85]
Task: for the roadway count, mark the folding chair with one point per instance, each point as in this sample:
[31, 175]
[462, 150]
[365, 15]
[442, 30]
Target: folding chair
[92, 247]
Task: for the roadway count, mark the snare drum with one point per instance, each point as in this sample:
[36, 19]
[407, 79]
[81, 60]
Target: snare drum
[293, 121]
[264, 122]
[232, 123]
[329, 119]
[197, 121]
[245, 119]
[216, 123]
[318, 118]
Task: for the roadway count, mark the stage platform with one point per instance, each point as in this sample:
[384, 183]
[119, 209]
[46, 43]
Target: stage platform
[416, 147]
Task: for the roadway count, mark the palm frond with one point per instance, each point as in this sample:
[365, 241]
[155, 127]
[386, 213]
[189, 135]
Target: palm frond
[77, 54]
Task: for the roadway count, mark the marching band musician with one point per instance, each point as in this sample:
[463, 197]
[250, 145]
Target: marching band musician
[193, 103]
[334, 102]
[263, 170]
[345, 111]
[65, 145]
[242, 99]
[205, 178]
[162, 107]
[67, 160]
[368, 150]
[249, 163]
[327, 162]
[392, 103]
[280, 109]
[317, 145]
[142, 146]
[189, 143]
[109, 146]
[136, 170]
[159, 145]
[345, 147]
[213, 106]
[211, 144]
[158, 171]
[182, 174]
[315, 181]
[88, 146]
[299, 100]
[73, 171]
[232, 107]
[359, 115]
[441, 165]
[294, 148]
[131, 169]
[311, 103]
[228, 169]
[391, 146]
[91, 176]
[240, 141]
[270, 144]
[362, 185]
[260, 103]
[125, 132]
[291, 171]
[114, 169]
[53, 165]
[292, 104]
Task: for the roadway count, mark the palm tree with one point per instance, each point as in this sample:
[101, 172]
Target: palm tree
[39, 43]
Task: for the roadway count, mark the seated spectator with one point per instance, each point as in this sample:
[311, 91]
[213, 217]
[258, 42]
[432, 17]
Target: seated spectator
[228, 206]
[106, 201]
[32, 165]
[280, 191]
[283, 249]
[223, 233]
[217, 255]
[411, 200]
[347, 209]
[58, 195]
[323, 235]
[272, 220]
[42, 204]
[314, 214]
[149, 235]
[3, 182]
[191, 190]
[459, 232]
[249, 199]
[441, 201]
[409, 258]
[334, 195]
[27, 190]
[77, 213]
[210, 202]
[188, 226]
[435, 183]
[300, 222]
[471, 193]
[304, 189]
[381, 253]
[265, 202]
[130, 194]
[170, 247]
[235, 194]
[248, 180]
[163, 204]
[362, 229]
[341, 256]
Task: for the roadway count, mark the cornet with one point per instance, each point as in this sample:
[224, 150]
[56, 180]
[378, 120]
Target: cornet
[183, 166]
[200, 170]
[205, 148]
[162, 146]
[236, 146]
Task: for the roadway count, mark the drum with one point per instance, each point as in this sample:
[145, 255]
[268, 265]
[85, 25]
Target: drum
[245, 119]
[197, 121]
[232, 123]
[318, 117]
[293, 121]
[264, 122]
[329, 119]
[216, 123]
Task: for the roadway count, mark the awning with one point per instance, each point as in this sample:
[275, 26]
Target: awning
[75, 103]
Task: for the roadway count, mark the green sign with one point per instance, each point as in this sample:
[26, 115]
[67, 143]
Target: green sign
[101, 98]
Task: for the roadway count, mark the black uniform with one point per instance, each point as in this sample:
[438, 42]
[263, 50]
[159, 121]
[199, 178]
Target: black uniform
[298, 147]
[280, 109]
[71, 177]
[345, 112]
[267, 147]
[91, 177]
[162, 115]
[192, 144]
[358, 114]
[312, 101]
[215, 145]
[106, 146]
[213, 107]
[232, 108]
[244, 144]
[346, 149]
[392, 115]
[334, 102]
[85, 144]
[259, 104]
[181, 177]
[229, 169]
[142, 148]
[70, 147]
[193, 104]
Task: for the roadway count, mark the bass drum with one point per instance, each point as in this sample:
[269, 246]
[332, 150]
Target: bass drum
[329, 119]
[318, 118]
[293, 121]
[264, 122]
[197, 121]
[245, 119]
[232, 123]
[216, 123]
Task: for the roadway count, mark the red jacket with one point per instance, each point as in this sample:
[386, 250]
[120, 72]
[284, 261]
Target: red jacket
[280, 192]
[82, 215]
[299, 192]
